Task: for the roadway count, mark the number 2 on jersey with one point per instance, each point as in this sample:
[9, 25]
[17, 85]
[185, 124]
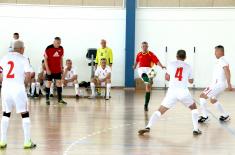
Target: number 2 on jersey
[9, 74]
[179, 73]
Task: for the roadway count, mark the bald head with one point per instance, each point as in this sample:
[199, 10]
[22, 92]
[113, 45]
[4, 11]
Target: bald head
[18, 46]
[103, 43]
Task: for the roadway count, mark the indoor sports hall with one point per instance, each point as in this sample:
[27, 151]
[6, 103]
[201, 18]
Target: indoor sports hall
[117, 77]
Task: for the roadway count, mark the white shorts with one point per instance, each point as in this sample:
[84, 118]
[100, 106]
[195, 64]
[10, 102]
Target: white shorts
[69, 84]
[215, 90]
[142, 70]
[176, 94]
[16, 97]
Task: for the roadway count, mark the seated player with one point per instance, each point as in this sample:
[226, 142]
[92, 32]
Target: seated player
[179, 74]
[102, 78]
[70, 77]
[32, 85]
[221, 80]
[41, 77]
[145, 60]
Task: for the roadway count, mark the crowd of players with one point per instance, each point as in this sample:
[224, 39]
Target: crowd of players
[16, 72]
[52, 73]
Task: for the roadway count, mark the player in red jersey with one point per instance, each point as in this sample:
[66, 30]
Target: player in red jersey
[54, 66]
[146, 59]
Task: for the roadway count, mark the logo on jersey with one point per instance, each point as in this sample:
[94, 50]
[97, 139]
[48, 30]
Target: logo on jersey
[56, 54]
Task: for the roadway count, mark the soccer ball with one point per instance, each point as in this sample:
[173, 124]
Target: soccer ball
[152, 74]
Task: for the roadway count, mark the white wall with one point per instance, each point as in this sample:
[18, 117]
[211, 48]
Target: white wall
[185, 28]
[79, 28]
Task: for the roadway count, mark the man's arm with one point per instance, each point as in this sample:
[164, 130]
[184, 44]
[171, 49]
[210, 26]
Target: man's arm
[228, 77]
[167, 77]
[46, 64]
[160, 64]
[27, 78]
[110, 58]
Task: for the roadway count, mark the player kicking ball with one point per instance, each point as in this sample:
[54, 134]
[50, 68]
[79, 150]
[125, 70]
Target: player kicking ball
[179, 74]
[221, 80]
[15, 70]
[102, 78]
[145, 61]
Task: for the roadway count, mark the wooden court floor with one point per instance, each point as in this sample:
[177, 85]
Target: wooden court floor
[96, 127]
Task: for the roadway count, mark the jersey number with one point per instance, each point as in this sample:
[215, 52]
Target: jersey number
[179, 73]
[9, 74]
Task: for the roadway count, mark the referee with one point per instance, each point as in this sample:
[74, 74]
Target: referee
[53, 59]
[104, 52]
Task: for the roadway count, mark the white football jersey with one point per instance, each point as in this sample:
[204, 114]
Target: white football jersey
[219, 74]
[14, 66]
[179, 72]
[102, 73]
[71, 73]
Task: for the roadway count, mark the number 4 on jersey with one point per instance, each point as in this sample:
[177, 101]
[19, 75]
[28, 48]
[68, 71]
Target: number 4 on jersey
[179, 73]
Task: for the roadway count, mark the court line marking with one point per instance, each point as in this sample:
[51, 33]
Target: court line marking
[230, 130]
[95, 134]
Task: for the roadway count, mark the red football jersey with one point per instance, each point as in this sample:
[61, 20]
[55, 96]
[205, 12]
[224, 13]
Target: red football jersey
[54, 56]
[146, 59]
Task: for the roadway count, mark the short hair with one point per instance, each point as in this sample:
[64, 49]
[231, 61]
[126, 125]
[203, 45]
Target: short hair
[16, 34]
[58, 38]
[220, 47]
[144, 43]
[68, 60]
[181, 54]
[18, 44]
[42, 61]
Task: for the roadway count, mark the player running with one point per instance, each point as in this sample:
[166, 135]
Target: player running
[146, 59]
[178, 74]
[221, 80]
[15, 70]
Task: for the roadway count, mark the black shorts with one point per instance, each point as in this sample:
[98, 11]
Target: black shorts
[56, 76]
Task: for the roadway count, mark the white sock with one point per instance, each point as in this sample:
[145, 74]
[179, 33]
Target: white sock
[76, 88]
[37, 87]
[156, 115]
[26, 128]
[52, 89]
[220, 108]
[203, 104]
[92, 89]
[33, 86]
[4, 127]
[108, 90]
[195, 119]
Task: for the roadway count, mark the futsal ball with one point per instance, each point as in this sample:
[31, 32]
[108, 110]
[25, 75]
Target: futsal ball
[152, 74]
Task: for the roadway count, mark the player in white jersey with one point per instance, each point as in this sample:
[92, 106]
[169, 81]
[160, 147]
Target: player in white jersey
[179, 74]
[16, 37]
[221, 80]
[70, 77]
[15, 71]
[102, 78]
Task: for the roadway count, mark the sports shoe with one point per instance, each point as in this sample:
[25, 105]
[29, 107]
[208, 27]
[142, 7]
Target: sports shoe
[35, 95]
[29, 145]
[47, 101]
[51, 95]
[62, 101]
[143, 131]
[77, 96]
[202, 119]
[3, 145]
[196, 133]
[107, 98]
[224, 119]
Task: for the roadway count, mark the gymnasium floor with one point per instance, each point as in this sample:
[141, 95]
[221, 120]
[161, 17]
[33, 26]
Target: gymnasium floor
[96, 127]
